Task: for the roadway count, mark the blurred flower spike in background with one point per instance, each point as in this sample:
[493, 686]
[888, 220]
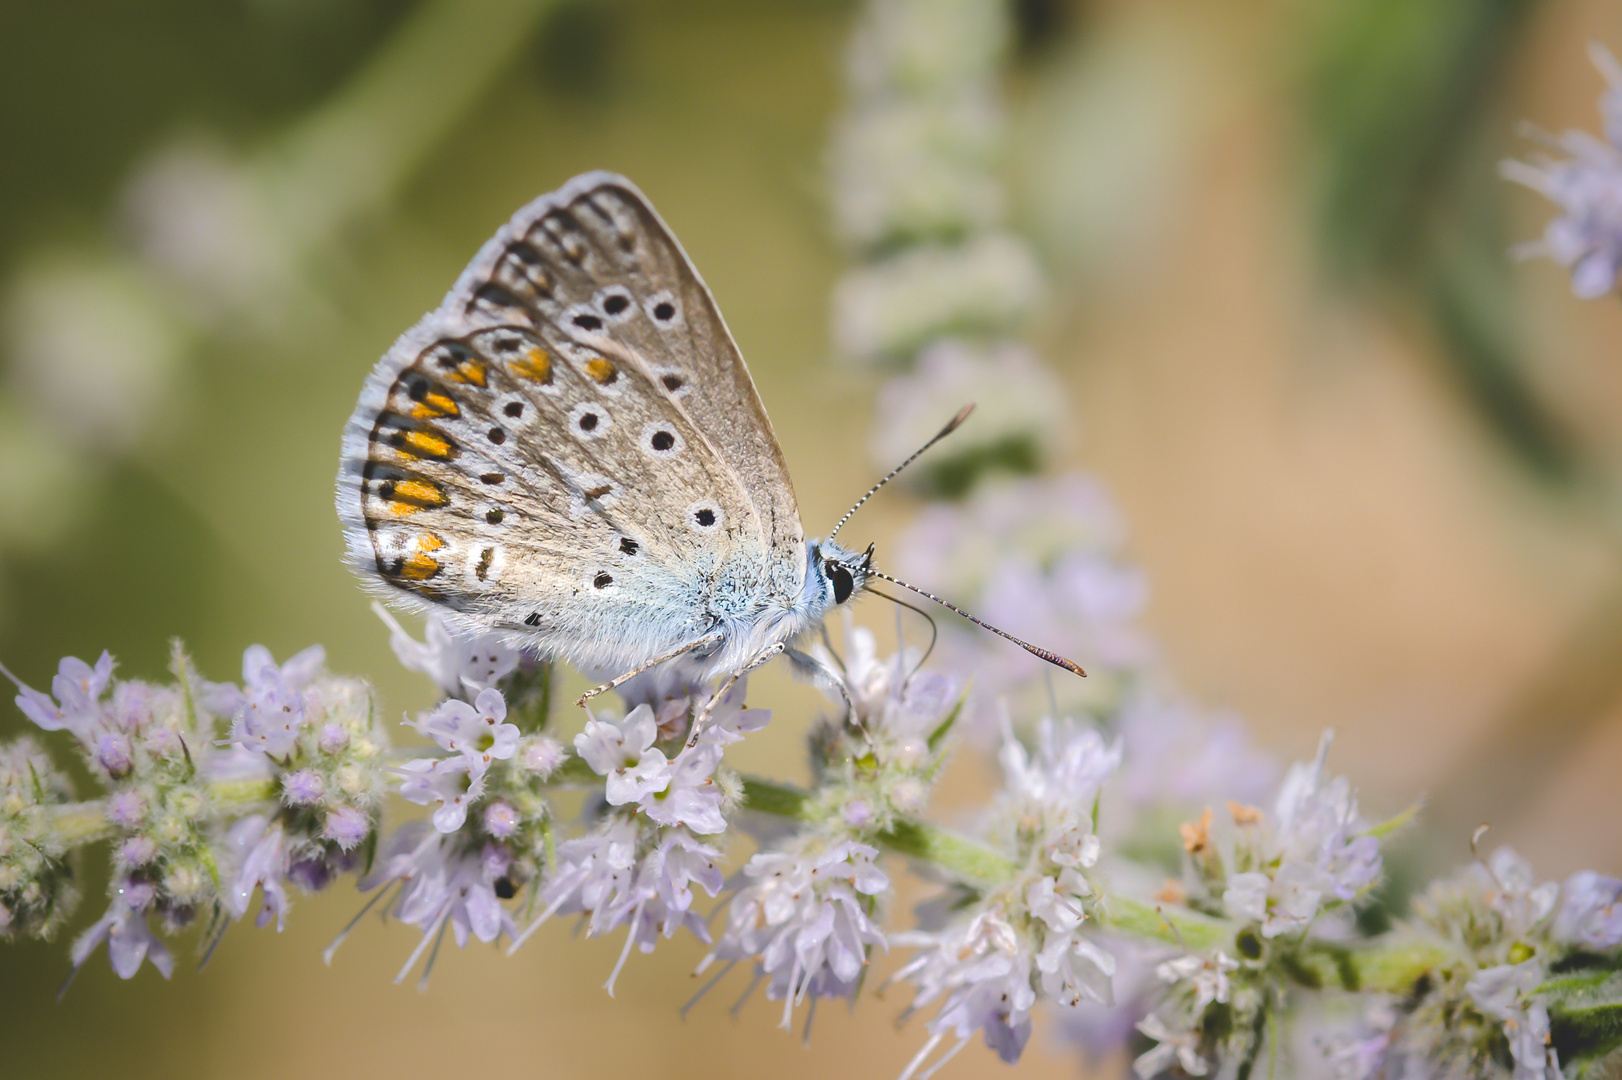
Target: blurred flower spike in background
[1253, 332]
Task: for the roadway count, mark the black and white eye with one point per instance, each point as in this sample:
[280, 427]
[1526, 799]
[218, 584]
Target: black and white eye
[583, 317]
[661, 440]
[840, 579]
[615, 303]
[704, 515]
[589, 420]
[663, 309]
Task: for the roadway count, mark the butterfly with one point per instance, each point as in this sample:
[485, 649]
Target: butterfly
[570, 451]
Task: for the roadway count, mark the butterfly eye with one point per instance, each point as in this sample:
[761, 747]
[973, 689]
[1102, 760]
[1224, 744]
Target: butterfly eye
[841, 579]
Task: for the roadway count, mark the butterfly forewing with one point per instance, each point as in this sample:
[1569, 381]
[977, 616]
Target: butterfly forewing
[550, 452]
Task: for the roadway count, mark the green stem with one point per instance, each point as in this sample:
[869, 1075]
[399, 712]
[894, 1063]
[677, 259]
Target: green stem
[1390, 964]
[86, 822]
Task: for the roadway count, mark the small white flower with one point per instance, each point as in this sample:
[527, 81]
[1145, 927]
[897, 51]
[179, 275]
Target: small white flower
[1505, 993]
[450, 785]
[803, 921]
[1591, 911]
[129, 940]
[476, 731]
[1208, 975]
[460, 664]
[259, 851]
[1181, 1046]
[622, 750]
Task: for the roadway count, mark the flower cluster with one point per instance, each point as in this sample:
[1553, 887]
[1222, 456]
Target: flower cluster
[1274, 876]
[1512, 948]
[1587, 185]
[213, 791]
[1024, 939]
[37, 891]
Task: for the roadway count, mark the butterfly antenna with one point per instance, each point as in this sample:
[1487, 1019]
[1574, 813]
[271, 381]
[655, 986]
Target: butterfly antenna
[952, 425]
[1051, 657]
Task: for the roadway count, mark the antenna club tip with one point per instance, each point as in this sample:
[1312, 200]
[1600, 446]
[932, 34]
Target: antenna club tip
[956, 421]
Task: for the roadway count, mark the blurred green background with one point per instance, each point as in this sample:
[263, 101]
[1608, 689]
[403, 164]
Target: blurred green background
[1370, 464]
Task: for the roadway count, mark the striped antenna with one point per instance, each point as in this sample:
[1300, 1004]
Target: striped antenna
[952, 425]
[1053, 658]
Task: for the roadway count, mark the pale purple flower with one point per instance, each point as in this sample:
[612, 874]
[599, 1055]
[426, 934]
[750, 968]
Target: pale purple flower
[600, 875]
[501, 820]
[1180, 1046]
[450, 785]
[1066, 770]
[671, 791]
[803, 921]
[443, 884]
[622, 750]
[77, 706]
[476, 731]
[129, 939]
[1506, 993]
[267, 711]
[333, 739]
[114, 753]
[981, 968]
[1206, 976]
[898, 706]
[461, 664]
[346, 826]
[541, 755]
[1590, 912]
[1515, 893]
[258, 851]
[1314, 852]
[126, 809]
[1587, 185]
[303, 787]
[135, 852]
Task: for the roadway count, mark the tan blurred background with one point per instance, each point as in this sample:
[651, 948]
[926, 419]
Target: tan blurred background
[1372, 475]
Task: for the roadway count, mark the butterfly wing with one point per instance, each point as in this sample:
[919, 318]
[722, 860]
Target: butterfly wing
[570, 447]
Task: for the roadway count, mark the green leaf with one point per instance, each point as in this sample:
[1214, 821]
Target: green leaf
[1585, 1013]
[1393, 824]
[945, 727]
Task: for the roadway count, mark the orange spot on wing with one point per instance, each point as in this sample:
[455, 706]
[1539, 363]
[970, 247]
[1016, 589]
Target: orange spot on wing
[422, 566]
[601, 370]
[420, 492]
[434, 407]
[535, 366]
[425, 444]
[471, 371]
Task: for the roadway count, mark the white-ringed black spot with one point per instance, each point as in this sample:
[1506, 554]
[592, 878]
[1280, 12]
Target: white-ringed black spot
[704, 515]
[532, 619]
[514, 409]
[661, 440]
[589, 420]
[672, 383]
[585, 320]
[663, 309]
[628, 545]
[494, 515]
[497, 436]
[493, 478]
[485, 558]
[615, 303]
[603, 580]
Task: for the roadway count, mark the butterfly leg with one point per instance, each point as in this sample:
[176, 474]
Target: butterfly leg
[701, 643]
[704, 714]
[821, 672]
